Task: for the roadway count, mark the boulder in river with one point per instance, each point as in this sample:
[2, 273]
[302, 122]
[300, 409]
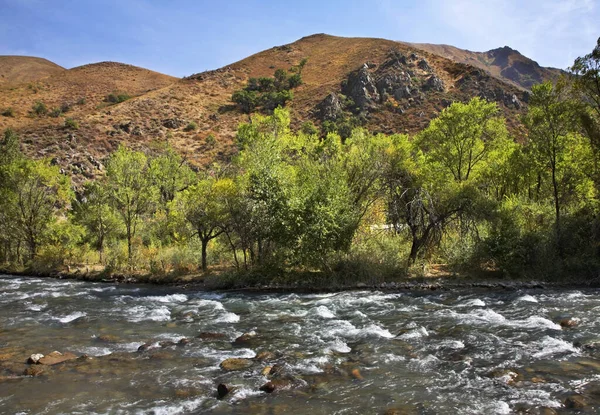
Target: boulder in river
[575, 401]
[55, 358]
[107, 338]
[235, 363]
[268, 387]
[34, 358]
[567, 323]
[209, 336]
[36, 370]
[184, 342]
[264, 356]
[223, 390]
[244, 339]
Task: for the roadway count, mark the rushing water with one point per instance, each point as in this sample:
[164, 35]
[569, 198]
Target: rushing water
[451, 352]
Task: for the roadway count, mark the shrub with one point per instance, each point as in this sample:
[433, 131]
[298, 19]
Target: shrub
[246, 100]
[294, 81]
[81, 101]
[211, 140]
[191, 126]
[9, 112]
[55, 113]
[116, 98]
[39, 109]
[71, 123]
[309, 128]
[65, 107]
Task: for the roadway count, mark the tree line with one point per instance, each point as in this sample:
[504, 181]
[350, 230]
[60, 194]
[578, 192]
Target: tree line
[463, 191]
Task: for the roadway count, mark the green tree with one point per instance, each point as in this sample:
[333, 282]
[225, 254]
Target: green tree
[553, 144]
[202, 207]
[40, 192]
[131, 190]
[463, 137]
[95, 213]
[170, 173]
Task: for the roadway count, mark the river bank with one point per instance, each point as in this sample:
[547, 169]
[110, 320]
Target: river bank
[303, 282]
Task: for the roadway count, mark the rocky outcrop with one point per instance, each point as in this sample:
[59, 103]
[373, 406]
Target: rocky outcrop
[173, 123]
[330, 108]
[396, 84]
[434, 83]
[424, 65]
[362, 89]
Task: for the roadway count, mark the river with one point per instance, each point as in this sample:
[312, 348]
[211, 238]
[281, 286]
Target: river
[356, 352]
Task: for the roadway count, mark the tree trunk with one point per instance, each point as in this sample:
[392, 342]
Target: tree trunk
[204, 254]
[556, 212]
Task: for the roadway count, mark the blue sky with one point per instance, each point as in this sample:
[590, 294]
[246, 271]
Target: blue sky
[181, 37]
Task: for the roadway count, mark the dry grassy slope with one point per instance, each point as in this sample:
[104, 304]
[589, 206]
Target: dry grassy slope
[90, 82]
[503, 63]
[204, 98]
[17, 69]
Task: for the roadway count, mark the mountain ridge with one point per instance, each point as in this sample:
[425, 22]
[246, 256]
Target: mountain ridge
[405, 88]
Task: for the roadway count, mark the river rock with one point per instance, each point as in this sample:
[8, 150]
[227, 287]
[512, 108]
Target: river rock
[147, 346]
[223, 390]
[575, 401]
[567, 323]
[356, 374]
[244, 339]
[36, 370]
[107, 338]
[34, 358]
[268, 387]
[55, 358]
[235, 363]
[209, 336]
[184, 342]
[264, 356]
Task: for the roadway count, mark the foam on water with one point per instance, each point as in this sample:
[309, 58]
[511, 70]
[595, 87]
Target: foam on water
[414, 334]
[228, 317]
[215, 305]
[549, 346]
[338, 345]
[96, 351]
[72, 317]
[171, 298]
[36, 307]
[141, 313]
[181, 407]
[322, 311]
[535, 322]
[475, 302]
[527, 299]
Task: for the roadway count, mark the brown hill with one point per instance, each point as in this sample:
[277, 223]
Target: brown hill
[503, 63]
[384, 85]
[17, 69]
